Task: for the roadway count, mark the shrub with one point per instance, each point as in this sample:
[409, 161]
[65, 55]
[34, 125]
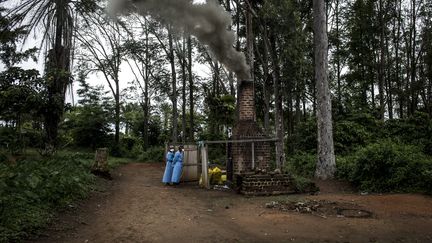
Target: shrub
[302, 164]
[303, 184]
[344, 167]
[349, 135]
[416, 130]
[387, 166]
[153, 154]
[128, 142]
[31, 189]
[9, 139]
[304, 138]
[427, 180]
[3, 156]
[366, 120]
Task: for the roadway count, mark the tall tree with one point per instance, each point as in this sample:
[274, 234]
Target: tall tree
[191, 91]
[147, 64]
[326, 164]
[278, 101]
[56, 18]
[21, 90]
[173, 95]
[102, 48]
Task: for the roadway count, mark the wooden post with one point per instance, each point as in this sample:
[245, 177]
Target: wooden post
[204, 162]
[100, 167]
[253, 155]
[101, 160]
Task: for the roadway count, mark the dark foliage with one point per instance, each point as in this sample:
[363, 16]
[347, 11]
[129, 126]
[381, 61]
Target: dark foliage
[31, 189]
[388, 166]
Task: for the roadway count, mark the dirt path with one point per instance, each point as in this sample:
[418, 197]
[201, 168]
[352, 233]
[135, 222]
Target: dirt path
[136, 207]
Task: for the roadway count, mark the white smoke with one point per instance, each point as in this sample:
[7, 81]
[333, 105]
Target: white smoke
[208, 22]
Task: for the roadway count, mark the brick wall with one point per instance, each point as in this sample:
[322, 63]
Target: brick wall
[242, 156]
[267, 184]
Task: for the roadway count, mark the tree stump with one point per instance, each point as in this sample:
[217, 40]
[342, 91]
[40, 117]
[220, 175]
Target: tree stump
[100, 166]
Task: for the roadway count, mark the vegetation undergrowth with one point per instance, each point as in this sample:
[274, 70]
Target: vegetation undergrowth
[374, 155]
[388, 166]
[32, 188]
[153, 154]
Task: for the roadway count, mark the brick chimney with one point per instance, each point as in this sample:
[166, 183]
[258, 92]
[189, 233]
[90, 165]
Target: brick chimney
[246, 101]
[251, 159]
[248, 156]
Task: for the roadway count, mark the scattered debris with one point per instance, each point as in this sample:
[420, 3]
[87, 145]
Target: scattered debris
[221, 187]
[354, 213]
[322, 208]
[272, 204]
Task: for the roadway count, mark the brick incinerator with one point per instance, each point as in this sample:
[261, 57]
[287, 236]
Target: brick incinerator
[251, 159]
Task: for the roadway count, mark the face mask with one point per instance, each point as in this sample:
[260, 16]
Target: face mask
[172, 150]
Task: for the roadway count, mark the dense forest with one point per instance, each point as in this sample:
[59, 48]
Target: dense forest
[162, 85]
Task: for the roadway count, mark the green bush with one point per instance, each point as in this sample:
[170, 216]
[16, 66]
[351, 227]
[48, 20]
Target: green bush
[303, 184]
[387, 166]
[31, 189]
[153, 154]
[304, 138]
[427, 180]
[367, 120]
[415, 130]
[344, 167]
[302, 164]
[348, 135]
[128, 142]
[3, 156]
[9, 139]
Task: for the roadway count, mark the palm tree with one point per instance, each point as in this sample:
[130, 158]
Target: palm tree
[56, 18]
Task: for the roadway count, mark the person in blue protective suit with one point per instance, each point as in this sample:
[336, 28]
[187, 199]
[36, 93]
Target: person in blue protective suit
[178, 166]
[169, 166]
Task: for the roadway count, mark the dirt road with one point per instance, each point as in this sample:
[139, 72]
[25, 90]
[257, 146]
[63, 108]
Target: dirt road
[136, 207]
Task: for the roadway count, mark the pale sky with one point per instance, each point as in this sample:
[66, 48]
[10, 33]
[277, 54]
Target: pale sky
[94, 79]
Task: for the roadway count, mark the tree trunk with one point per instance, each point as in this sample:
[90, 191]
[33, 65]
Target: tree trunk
[216, 78]
[146, 90]
[389, 85]
[381, 69]
[298, 111]
[230, 75]
[413, 65]
[238, 26]
[191, 92]
[58, 68]
[266, 74]
[250, 39]
[184, 90]
[279, 121]
[399, 81]
[338, 62]
[117, 114]
[173, 87]
[326, 165]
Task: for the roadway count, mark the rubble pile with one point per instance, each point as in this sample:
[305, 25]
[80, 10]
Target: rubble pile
[321, 208]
